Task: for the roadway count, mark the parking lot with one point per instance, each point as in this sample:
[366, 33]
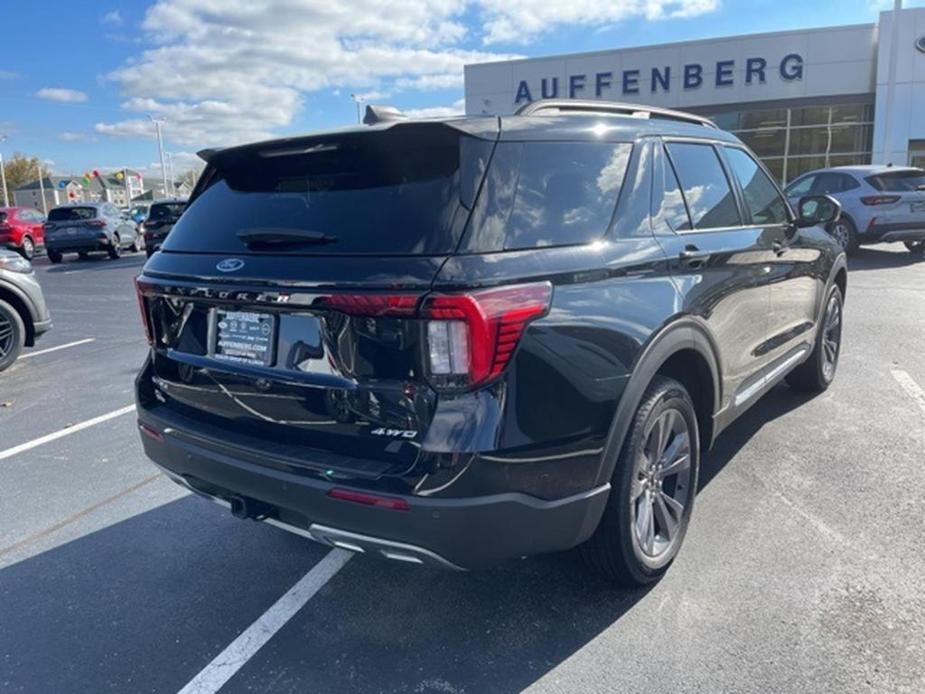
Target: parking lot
[802, 571]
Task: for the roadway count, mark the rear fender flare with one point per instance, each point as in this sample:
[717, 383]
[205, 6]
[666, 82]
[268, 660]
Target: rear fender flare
[685, 333]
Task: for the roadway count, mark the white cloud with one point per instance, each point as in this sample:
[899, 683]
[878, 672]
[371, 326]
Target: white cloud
[232, 71]
[456, 109]
[228, 71]
[71, 137]
[112, 18]
[521, 21]
[8, 75]
[68, 96]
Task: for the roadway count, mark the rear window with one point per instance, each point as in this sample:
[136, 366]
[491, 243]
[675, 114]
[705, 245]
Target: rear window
[70, 214]
[402, 191]
[898, 181]
[166, 211]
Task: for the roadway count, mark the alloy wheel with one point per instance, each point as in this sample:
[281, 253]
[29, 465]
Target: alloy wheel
[661, 485]
[7, 335]
[28, 248]
[842, 234]
[831, 337]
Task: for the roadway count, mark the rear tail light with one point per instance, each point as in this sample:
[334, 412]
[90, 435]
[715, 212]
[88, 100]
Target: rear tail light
[4, 227]
[96, 224]
[870, 200]
[469, 338]
[472, 337]
[143, 307]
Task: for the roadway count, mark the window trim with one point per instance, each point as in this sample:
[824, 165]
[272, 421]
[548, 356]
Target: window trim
[712, 144]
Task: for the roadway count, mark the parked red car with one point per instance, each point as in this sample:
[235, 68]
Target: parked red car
[21, 229]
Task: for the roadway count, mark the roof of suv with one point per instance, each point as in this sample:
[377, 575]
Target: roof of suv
[575, 124]
[867, 169]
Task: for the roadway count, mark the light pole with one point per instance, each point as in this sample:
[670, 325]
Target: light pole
[173, 180]
[6, 195]
[42, 188]
[160, 149]
[358, 101]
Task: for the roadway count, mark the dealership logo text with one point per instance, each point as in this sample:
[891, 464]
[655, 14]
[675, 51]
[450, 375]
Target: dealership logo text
[692, 76]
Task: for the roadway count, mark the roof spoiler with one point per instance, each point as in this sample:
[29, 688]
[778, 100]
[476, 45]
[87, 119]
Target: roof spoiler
[207, 154]
[382, 114]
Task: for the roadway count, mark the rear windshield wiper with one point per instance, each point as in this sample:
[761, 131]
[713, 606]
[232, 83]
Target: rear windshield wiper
[259, 236]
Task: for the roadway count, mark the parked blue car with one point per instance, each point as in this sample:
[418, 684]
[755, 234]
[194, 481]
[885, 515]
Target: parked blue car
[880, 204]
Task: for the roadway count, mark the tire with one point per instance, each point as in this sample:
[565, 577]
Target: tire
[12, 335]
[27, 249]
[632, 544]
[115, 248]
[138, 244]
[916, 248]
[817, 373]
[844, 231]
[53, 256]
[149, 252]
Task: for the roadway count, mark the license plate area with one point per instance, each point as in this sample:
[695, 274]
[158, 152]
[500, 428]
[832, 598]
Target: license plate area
[243, 337]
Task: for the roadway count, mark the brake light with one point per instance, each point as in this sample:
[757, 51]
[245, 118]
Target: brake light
[96, 224]
[373, 305]
[870, 200]
[143, 307]
[472, 337]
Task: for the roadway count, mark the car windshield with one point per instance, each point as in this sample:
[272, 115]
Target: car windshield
[167, 211]
[898, 181]
[70, 214]
[404, 191]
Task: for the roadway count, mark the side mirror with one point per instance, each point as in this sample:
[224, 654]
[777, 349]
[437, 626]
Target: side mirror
[814, 210]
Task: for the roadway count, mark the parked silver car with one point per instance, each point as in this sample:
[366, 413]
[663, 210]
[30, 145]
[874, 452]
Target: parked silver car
[880, 204]
[89, 227]
[23, 313]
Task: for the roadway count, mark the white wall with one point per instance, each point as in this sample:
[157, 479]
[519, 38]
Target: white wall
[837, 61]
[908, 117]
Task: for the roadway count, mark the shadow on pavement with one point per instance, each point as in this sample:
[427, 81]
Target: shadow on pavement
[882, 257]
[95, 263]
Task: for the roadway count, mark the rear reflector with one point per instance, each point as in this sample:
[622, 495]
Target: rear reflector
[870, 200]
[150, 432]
[391, 503]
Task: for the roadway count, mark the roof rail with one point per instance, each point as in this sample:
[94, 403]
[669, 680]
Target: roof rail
[564, 106]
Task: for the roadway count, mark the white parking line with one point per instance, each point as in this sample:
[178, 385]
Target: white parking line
[908, 384]
[224, 666]
[73, 429]
[55, 349]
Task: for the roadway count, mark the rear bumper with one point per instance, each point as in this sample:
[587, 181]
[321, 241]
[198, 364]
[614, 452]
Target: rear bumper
[77, 245]
[458, 533]
[890, 233]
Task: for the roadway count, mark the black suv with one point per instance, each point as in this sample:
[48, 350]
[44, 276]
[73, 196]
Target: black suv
[458, 341]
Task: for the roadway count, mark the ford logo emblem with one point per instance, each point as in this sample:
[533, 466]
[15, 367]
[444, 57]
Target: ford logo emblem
[920, 44]
[230, 265]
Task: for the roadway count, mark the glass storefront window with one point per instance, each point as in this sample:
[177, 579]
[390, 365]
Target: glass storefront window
[792, 141]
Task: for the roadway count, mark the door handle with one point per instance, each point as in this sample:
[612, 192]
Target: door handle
[779, 248]
[693, 256]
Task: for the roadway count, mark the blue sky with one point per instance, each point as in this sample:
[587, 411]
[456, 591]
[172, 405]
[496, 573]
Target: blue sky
[77, 79]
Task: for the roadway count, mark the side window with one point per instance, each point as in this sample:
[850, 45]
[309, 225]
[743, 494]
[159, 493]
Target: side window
[706, 189]
[849, 182]
[801, 187]
[829, 183]
[764, 203]
[566, 193]
[667, 202]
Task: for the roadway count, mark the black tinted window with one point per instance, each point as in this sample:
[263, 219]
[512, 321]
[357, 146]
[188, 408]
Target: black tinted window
[400, 191]
[709, 198]
[829, 183]
[69, 214]
[549, 194]
[166, 211]
[898, 181]
[761, 197]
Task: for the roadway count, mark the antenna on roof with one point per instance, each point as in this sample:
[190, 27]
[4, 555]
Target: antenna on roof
[382, 114]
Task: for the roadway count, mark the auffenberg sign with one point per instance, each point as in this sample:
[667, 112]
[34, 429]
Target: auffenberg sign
[629, 82]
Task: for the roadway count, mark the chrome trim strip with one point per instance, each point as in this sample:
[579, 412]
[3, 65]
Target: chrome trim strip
[771, 377]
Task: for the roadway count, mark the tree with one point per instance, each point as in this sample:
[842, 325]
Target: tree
[20, 170]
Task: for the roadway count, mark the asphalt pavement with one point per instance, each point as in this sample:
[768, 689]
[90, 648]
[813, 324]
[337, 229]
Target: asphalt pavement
[802, 571]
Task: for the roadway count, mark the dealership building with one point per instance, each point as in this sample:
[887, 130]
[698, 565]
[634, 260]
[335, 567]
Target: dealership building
[801, 100]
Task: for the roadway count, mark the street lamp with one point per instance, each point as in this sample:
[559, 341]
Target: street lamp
[160, 149]
[6, 195]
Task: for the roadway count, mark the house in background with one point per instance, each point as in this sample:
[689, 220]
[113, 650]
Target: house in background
[59, 190]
